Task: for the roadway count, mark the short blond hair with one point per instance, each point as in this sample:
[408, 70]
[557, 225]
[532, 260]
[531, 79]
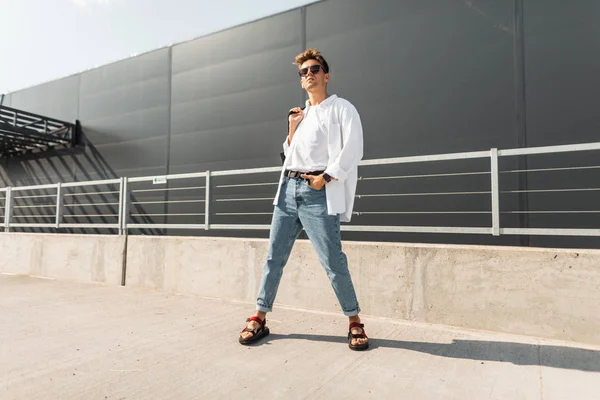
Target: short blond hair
[311, 54]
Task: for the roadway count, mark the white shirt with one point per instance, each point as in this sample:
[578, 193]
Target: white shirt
[344, 151]
[310, 149]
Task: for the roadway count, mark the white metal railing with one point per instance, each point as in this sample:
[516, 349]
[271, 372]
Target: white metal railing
[117, 197]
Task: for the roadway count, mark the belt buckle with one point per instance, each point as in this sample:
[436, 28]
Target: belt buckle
[293, 174]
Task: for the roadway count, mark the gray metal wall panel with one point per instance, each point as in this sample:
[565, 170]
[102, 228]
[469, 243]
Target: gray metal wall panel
[234, 87]
[256, 131]
[268, 68]
[241, 111]
[428, 77]
[561, 65]
[127, 100]
[136, 156]
[144, 123]
[125, 73]
[33, 170]
[57, 99]
[124, 110]
[238, 43]
[221, 148]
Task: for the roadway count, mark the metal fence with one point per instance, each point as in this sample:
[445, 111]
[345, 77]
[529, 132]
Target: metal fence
[125, 204]
[22, 132]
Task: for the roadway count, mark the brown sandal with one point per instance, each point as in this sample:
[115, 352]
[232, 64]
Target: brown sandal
[257, 333]
[363, 335]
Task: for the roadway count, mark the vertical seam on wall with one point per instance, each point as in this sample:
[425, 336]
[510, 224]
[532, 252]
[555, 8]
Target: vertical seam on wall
[73, 169]
[78, 96]
[80, 142]
[169, 99]
[521, 113]
[303, 41]
[303, 27]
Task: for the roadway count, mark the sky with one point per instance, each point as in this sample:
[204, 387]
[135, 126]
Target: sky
[43, 40]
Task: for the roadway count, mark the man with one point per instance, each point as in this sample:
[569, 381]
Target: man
[316, 192]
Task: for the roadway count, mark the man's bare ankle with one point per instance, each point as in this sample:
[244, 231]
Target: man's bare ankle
[261, 315]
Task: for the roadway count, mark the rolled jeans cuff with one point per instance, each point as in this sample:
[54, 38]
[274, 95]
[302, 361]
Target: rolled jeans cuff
[352, 313]
[263, 309]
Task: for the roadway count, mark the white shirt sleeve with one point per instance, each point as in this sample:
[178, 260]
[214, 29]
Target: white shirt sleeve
[352, 151]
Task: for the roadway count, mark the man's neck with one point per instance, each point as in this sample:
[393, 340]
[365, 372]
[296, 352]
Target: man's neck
[314, 99]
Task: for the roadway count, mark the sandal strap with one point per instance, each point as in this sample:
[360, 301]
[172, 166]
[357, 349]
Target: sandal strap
[357, 335]
[256, 330]
[356, 325]
[257, 319]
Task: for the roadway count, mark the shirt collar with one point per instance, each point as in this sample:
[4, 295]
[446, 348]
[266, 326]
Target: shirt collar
[324, 103]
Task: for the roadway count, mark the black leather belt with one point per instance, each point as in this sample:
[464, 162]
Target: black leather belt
[297, 174]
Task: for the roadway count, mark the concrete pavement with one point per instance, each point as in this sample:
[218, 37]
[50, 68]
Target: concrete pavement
[66, 340]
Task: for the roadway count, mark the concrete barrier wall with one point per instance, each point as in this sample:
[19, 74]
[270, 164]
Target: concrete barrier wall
[214, 267]
[87, 258]
[540, 292]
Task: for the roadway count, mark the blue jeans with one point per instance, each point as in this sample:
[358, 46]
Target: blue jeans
[301, 206]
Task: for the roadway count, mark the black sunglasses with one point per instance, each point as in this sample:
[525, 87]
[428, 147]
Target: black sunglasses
[313, 68]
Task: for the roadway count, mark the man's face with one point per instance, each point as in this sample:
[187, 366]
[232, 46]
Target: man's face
[313, 80]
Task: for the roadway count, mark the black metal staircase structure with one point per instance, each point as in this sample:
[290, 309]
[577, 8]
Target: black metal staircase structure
[23, 132]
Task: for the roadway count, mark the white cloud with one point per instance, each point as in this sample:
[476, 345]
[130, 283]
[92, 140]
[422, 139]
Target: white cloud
[84, 3]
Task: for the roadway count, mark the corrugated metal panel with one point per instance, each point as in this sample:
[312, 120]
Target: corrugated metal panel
[234, 87]
[57, 99]
[561, 66]
[427, 77]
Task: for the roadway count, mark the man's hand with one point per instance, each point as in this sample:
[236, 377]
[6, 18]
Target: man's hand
[316, 182]
[296, 118]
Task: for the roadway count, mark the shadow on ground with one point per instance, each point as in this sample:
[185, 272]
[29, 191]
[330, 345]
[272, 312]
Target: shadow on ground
[516, 353]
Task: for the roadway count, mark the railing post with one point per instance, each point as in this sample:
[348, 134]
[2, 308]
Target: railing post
[495, 192]
[123, 206]
[59, 204]
[121, 198]
[207, 202]
[7, 209]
